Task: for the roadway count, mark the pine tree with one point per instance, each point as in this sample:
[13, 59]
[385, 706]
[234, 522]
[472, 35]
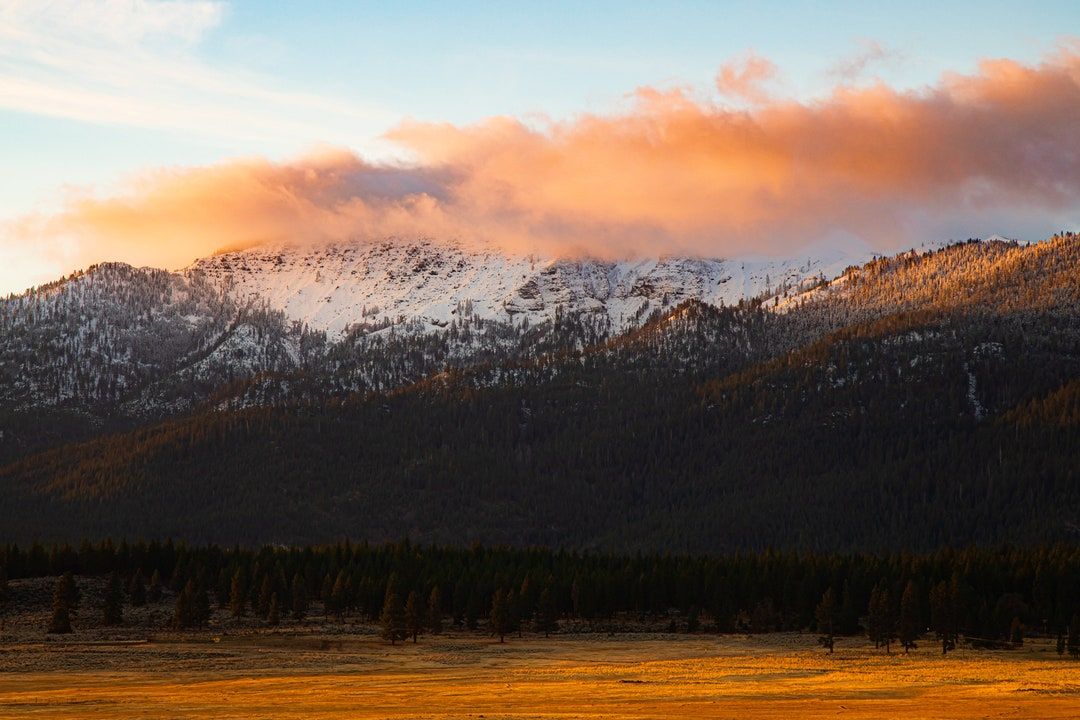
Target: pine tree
[910, 623]
[849, 615]
[513, 612]
[200, 602]
[500, 615]
[943, 615]
[299, 597]
[113, 611]
[414, 621]
[266, 593]
[183, 611]
[238, 594]
[273, 615]
[73, 594]
[826, 615]
[339, 595]
[61, 617]
[223, 588]
[881, 624]
[392, 617]
[138, 589]
[1060, 646]
[1016, 632]
[4, 590]
[434, 612]
[473, 610]
[693, 623]
[153, 594]
[546, 621]
[1073, 641]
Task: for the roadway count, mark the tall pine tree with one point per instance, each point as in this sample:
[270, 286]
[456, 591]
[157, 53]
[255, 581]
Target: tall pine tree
[113, 611]
[392, 617]
[911, 626]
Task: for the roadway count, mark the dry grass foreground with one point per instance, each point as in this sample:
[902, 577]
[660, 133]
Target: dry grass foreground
[312, 676]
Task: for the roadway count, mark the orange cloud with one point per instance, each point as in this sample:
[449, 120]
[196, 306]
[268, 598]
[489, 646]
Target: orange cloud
[671, 175]
[744, 79]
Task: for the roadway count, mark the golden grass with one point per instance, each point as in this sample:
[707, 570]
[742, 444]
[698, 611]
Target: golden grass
[567, 677]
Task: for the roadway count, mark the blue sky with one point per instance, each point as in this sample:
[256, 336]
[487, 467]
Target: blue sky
[93, 93]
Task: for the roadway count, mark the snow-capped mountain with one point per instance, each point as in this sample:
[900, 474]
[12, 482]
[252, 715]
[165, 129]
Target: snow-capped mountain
[337, 287]
[368, 315]
[276, 324]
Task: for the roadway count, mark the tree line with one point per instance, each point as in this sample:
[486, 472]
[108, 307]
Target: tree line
[988, 597]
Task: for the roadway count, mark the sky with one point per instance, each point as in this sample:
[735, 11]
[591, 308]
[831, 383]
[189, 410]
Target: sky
[156, 132]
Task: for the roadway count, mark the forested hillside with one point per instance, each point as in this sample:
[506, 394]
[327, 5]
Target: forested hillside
[920, 400]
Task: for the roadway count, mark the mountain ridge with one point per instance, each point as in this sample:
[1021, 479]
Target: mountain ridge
[921, 398]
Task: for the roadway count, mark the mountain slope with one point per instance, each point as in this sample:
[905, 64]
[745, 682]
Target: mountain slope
[919, 400]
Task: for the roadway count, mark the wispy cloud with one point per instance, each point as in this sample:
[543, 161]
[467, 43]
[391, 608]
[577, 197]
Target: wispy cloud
[134, 62]
[870, 54]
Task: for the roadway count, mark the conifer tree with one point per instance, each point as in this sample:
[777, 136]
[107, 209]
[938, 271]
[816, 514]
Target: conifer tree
[513, 612]
[113, 611]
[910, 624]
[414, 621]
[1060, 646]
[273, 615]
[434, 612]
[339, 595]
[472, 610]
[1073, 641]
[73, 594]
[392, 617]
[4, 590]
[200, 602]
[880, 620]
[223, 588]
[238, 594]
[299, 597]
[693, 623]
[826, 615]
[153, 593]
[943, 615]
[184, 611]
[546, 621]
[266, 593]
[1016, 632]
[138, 589]
[326, 594]
[849, 615]
[61, 617]
[500, 615]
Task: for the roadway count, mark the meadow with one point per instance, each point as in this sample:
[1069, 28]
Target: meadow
[355, 675]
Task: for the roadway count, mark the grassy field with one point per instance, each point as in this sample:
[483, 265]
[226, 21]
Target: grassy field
[587, 676]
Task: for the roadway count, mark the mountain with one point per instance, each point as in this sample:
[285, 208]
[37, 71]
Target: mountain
[338, 287]
[116, 346]
[925, 398]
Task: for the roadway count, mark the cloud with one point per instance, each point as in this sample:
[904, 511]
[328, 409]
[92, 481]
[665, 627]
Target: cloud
[871, 53]
[134, 63]
[996, 150]
[746, 78]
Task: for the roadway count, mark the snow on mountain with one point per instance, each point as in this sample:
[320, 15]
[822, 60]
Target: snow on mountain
[335, 287]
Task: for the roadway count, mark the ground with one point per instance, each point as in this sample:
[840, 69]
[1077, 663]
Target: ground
[291, 674]
[322, 668]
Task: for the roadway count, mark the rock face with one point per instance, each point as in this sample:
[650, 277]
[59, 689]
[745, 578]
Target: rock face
[335, 287]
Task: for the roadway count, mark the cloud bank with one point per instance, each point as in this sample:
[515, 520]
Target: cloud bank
[673, 173]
